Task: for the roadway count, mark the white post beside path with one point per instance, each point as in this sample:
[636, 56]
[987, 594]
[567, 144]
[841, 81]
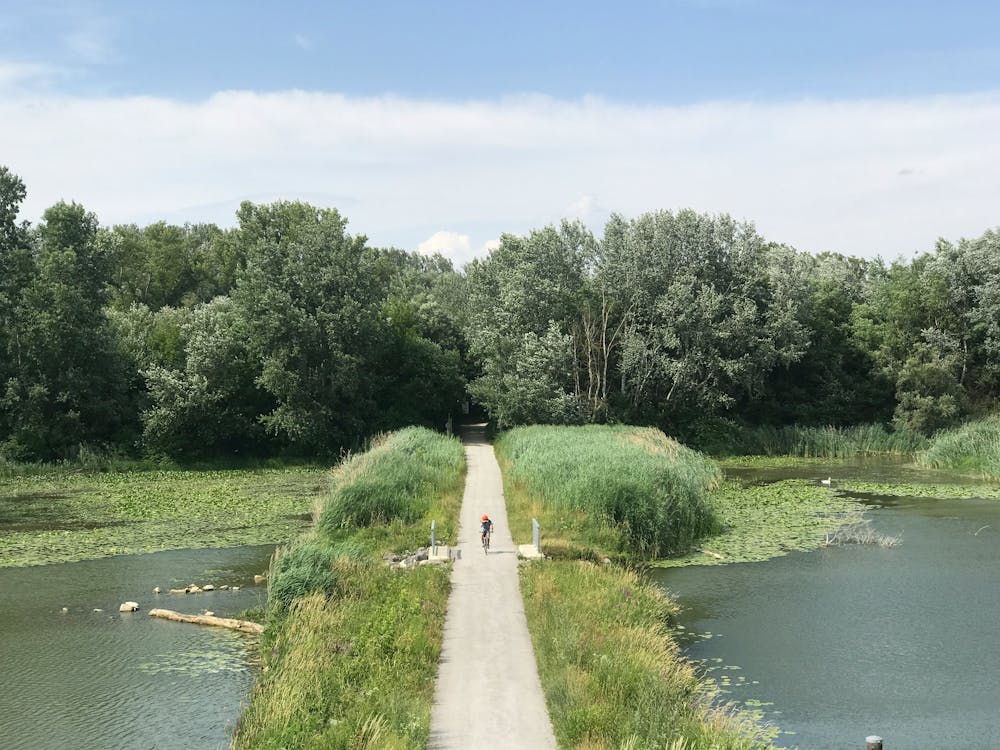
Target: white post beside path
[488, 693]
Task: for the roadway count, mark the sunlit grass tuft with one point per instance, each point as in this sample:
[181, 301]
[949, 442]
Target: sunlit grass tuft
[626, 491]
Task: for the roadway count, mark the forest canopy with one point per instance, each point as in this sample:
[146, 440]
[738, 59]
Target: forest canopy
[287, 335]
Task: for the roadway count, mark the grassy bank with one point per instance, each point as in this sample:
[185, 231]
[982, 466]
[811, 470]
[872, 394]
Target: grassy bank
[971, 449]
[48, 517]
[611, 672]
[598, 490]
[351, 647]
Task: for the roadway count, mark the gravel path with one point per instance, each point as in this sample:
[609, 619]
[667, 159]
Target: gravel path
[487, 694]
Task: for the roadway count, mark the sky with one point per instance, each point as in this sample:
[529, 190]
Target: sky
[868, 128]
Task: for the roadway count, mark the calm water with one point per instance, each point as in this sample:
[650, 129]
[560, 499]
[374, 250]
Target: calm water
[843, 642]
[87, 679]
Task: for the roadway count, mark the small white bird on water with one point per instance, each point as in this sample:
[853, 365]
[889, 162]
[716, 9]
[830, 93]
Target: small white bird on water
[827, 481]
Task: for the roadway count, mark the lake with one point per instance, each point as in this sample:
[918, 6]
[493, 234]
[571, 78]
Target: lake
[843, 642]
[88, 679]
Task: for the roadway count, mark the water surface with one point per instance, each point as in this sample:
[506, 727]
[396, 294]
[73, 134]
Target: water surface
[843, 642]
[86, 679]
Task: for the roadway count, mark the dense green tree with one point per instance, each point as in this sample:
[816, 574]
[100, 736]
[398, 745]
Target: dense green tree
[67, 384]
[164, 265]
[212, 404]
[705, 316]
[524, 301]
[835, 382]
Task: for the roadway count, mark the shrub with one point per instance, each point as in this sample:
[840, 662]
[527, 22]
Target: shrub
[304, 569]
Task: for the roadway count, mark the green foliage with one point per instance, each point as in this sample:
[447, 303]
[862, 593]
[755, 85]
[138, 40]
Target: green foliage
[399, 479]
[66, 380]
[633, 489]
[973, 448]
[706, 312]
[612, 675]
[523, 300]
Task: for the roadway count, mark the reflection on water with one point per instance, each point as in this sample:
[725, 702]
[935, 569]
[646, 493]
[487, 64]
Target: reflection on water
[849, 641]
[100, 679]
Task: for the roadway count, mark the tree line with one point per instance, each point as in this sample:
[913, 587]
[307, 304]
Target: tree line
[286, 335]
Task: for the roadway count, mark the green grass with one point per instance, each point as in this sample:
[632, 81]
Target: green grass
[396, 488]
[623, 491]
[351, 647]
[612, 674]
[971, 449]
[816, 442]
[61, 517]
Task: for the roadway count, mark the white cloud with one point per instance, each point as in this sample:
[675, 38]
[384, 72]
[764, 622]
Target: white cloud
[488, 247]
[302, 41]
[457, 247]
[865, 177]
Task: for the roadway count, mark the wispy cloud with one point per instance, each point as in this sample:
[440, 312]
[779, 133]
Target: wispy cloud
[302, 42]
[816, 174]
[20, 74]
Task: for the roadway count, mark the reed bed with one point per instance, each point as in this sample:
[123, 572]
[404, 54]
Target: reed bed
[351, 647]
[973, 448]
[820, 442]
[615, 490]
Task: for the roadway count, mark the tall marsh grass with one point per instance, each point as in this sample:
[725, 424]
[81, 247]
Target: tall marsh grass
[625, 490]
[816, 442]
[613, 676]
[973, 448]
[397, 481]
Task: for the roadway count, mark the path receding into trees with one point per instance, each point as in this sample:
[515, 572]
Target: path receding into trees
[488, 694]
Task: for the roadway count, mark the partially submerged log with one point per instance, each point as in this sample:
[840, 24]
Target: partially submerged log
[244, 626]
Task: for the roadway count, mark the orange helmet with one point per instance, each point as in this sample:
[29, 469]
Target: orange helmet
[485, 517]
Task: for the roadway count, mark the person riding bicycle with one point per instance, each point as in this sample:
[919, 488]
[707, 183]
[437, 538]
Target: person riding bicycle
[485, 528]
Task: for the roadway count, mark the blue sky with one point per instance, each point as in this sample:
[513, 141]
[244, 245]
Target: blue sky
[863, 127]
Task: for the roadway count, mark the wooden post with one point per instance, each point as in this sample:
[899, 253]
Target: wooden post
[873, 742]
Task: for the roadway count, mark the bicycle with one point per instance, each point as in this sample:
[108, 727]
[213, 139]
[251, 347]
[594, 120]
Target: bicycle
[486, 542]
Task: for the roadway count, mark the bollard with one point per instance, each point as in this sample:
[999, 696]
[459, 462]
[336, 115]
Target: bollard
[536, 535]
[434, 546]
[873, 742]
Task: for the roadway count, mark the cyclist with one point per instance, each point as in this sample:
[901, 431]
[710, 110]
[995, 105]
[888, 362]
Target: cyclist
[485, 529]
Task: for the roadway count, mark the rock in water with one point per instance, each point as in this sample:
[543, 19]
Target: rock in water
[156, 590]
[129, 607]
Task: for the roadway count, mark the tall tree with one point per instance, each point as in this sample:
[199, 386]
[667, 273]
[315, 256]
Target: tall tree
[68, 384]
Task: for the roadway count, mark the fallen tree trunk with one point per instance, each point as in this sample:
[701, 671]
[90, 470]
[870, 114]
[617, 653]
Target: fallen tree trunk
[244, 626]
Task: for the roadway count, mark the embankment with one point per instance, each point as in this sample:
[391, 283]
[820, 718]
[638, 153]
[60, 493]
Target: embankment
[351, 646]
[612, 674]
